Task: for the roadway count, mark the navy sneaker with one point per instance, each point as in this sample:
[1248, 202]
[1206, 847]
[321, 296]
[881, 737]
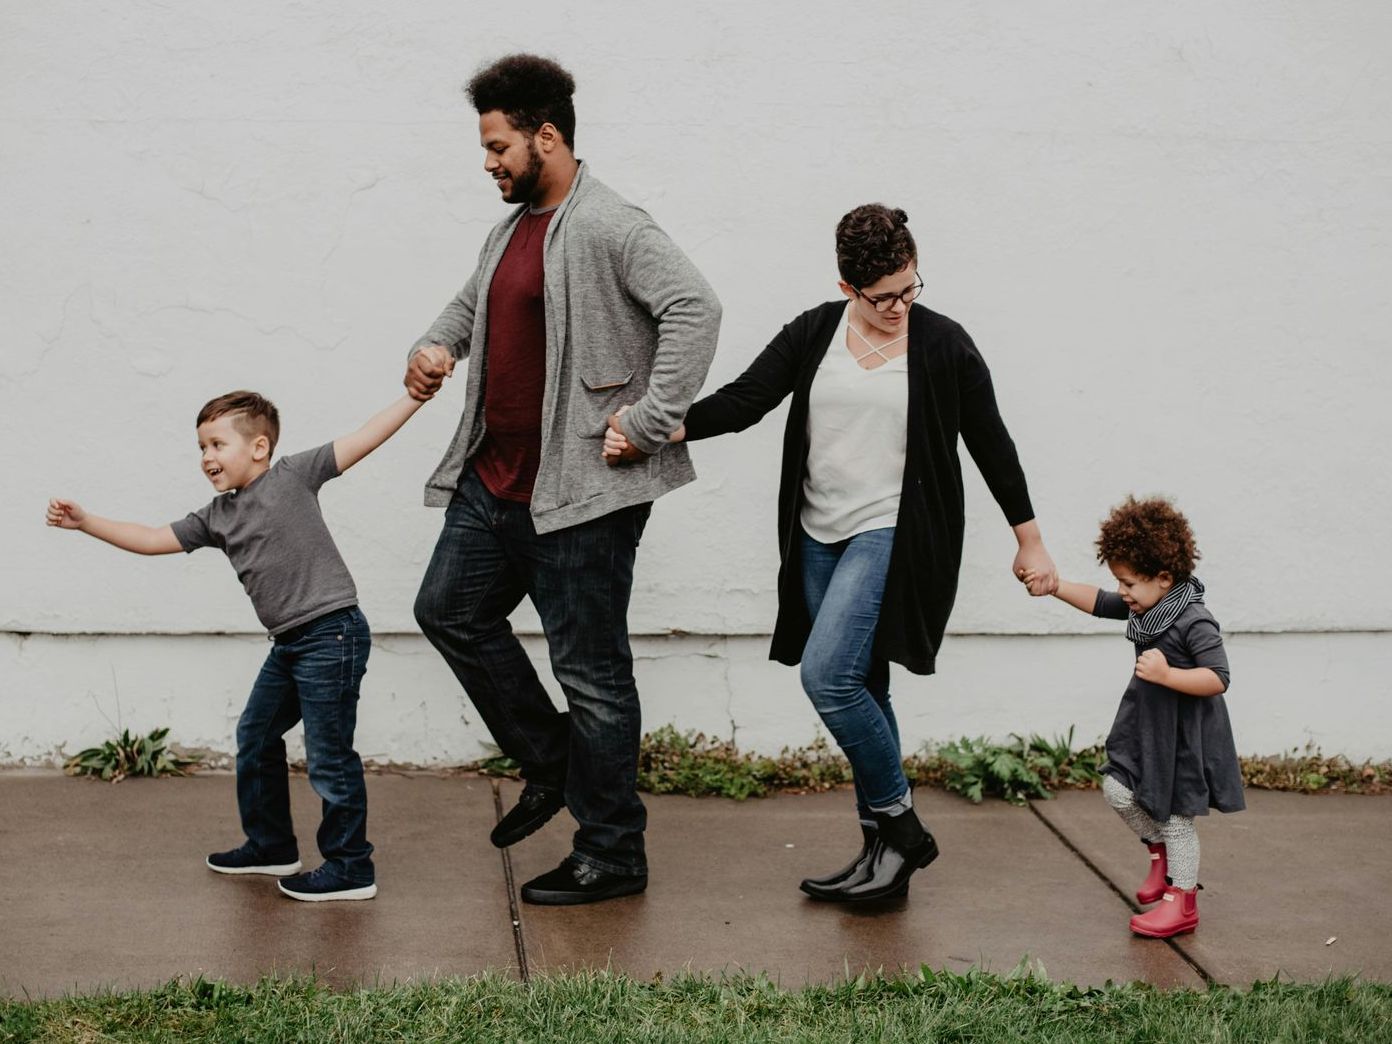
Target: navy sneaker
[322, 885]
[251, 860]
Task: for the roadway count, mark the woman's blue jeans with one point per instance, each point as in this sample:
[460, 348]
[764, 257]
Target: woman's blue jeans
[847, 684]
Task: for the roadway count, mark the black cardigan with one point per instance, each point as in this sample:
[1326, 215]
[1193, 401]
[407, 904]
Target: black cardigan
[949, 393]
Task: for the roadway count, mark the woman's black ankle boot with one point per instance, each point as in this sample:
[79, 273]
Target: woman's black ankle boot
[902, 848]
[825, 887]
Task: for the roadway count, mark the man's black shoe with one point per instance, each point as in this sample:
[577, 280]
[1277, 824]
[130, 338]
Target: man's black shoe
[530, 814]
[573, 883]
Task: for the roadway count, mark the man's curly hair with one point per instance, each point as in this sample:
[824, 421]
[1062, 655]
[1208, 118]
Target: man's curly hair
[1150, 536]
[873, 241]
[529, 91]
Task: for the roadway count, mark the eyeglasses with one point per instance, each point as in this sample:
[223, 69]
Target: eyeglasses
[884, 302]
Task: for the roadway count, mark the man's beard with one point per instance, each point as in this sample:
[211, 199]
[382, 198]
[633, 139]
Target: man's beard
[525, 182]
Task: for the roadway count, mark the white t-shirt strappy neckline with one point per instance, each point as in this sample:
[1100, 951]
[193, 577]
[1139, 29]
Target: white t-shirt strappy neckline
[857, 427]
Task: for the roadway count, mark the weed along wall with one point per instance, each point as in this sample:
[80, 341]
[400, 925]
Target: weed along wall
[1165, 229]
[60, 693]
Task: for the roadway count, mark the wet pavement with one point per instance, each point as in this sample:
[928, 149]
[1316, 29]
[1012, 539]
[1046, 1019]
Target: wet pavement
[104, 886]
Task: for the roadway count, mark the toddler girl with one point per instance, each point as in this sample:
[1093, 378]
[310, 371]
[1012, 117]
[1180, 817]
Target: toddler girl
[1170, 754]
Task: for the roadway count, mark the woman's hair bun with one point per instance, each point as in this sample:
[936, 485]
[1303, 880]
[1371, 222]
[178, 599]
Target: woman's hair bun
[873, 241]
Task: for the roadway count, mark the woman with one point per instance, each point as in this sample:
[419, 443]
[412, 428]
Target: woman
[870, 512]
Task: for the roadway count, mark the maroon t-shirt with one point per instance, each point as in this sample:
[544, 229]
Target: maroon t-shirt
[511, 451]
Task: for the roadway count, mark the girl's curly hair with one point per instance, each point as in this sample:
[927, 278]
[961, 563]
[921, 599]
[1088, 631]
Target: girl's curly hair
[1151, 536]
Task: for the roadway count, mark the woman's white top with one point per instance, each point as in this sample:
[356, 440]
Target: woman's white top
[857, 425]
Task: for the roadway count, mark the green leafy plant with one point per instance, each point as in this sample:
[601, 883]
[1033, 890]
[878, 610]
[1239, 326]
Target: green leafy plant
[692, 763]
[499, 765]
[129, 755]
[672, 762]
[1017, 771]
[1309, 771]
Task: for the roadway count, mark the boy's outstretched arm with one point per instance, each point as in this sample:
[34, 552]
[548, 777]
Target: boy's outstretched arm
[128, 536]
[350, 449]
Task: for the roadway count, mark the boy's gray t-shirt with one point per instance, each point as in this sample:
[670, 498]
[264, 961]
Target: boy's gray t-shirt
[274, 534]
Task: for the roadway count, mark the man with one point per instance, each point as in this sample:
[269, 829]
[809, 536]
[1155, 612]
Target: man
[579, 303]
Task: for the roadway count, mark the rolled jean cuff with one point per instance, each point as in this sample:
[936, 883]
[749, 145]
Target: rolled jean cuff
[896, 808]
[617, 869]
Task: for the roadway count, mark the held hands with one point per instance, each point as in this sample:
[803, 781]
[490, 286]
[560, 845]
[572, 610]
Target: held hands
[1152, 666]
[1039, 579]
[617, 448]
[65, 514]
[427, 370]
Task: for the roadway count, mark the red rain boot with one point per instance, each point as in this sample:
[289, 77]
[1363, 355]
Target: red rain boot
[1153, 887]
[1178, 912]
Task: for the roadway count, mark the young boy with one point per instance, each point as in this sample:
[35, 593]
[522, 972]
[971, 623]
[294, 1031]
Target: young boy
[268, 521]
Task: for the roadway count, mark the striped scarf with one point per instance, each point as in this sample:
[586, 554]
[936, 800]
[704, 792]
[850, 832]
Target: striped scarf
[1149, 625]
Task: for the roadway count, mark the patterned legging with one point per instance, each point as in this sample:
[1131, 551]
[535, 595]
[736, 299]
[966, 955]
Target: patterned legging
[1178, 834]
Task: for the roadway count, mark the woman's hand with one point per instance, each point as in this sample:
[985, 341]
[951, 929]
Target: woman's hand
[617, 449]
[1033, 566]
[1037, 583]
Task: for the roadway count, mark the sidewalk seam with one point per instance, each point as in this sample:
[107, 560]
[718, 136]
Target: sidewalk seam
[1199, 969]
[514, 911]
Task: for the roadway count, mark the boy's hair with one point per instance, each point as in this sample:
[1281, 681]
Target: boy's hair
[529, 91]
[1151, 536]
[253, 414]
[873, 241]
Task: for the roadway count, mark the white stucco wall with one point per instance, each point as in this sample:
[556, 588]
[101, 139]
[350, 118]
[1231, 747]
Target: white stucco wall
[1166, 227]
[62, 693]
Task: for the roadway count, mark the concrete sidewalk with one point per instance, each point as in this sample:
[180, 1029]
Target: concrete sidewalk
[104, 886]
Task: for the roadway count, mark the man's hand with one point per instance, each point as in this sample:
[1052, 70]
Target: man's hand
[65, 514]
[616, 444]
[427, 371]
[617, 448]
[1152, 666]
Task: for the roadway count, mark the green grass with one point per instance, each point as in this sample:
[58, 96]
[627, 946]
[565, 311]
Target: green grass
[599, 1006]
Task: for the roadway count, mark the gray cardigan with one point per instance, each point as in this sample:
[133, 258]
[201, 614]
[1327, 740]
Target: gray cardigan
[629, 320]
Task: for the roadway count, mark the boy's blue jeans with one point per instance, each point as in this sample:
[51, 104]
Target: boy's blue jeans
[312, 674]
[488, 558]
[848, 685]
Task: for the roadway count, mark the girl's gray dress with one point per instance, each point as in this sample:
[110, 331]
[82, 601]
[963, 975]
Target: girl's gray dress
[1175, 752]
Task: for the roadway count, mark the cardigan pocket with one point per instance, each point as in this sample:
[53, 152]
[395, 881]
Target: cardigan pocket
[603, 394]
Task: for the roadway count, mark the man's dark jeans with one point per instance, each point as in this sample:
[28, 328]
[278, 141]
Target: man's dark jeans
[312, 673]
[488, 558]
